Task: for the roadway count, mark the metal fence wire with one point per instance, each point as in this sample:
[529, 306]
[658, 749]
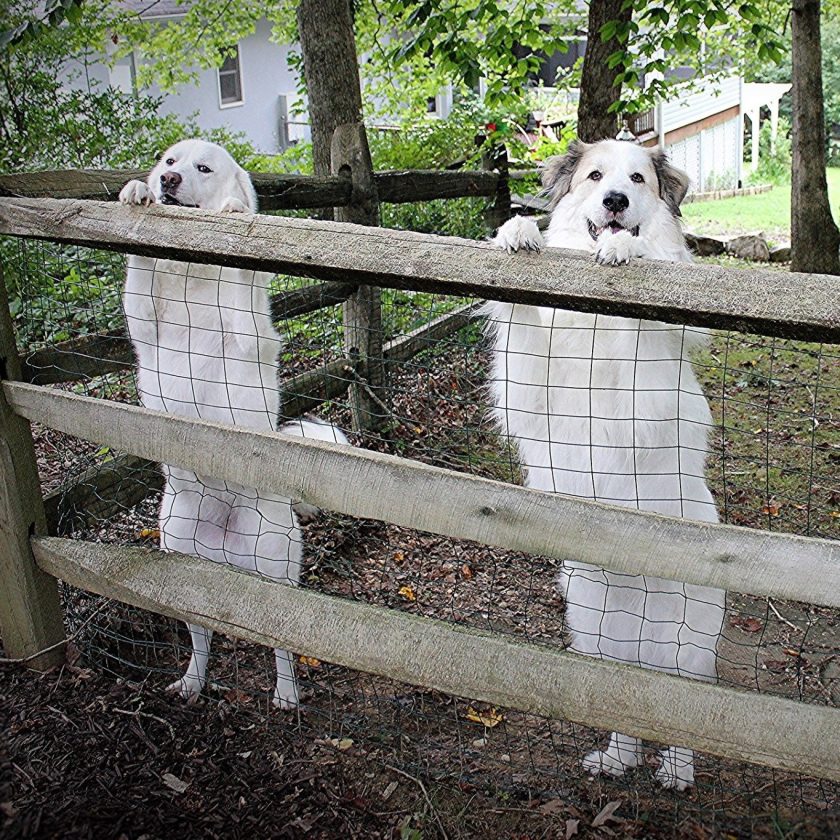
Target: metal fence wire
[774, 448]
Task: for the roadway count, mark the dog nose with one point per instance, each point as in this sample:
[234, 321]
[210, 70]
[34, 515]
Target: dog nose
[615, 202]
[170, 180]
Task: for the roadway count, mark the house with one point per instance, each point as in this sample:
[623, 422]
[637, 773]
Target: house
[251, 93]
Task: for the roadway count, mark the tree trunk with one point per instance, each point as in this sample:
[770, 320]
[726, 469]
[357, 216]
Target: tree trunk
[331, 71]
[597, 85]
[815, 239]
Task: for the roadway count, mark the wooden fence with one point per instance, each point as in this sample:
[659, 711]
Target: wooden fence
[727, 722]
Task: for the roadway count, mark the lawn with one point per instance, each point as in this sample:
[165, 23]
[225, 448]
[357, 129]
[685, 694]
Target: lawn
[767, 212]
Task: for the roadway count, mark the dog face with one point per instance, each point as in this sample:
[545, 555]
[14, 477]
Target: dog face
[615, 185]
[195, 173]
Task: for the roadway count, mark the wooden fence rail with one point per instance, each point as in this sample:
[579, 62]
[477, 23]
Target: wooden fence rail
[275, 191]
[787, 305]
[373, 485]
[466, 662]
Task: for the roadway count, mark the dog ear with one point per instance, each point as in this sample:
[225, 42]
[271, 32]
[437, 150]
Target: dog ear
[559, 171]
[673, 182]
[248, 195]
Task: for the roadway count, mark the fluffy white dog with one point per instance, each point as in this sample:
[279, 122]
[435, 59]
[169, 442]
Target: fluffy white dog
[610, 409]
[206, 347]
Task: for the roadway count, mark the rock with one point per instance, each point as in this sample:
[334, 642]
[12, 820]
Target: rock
[781, 253]
[749, 247]
[704, 246]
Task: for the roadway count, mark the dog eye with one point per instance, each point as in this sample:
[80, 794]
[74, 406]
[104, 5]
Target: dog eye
[594, 175]
[202, 168]
[637, 178]
[169, 161]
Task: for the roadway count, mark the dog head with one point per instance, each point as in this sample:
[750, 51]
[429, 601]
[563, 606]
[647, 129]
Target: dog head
[195, 173]
[615, 185]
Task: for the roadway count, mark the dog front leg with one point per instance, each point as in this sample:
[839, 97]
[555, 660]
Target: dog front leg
[192, 682]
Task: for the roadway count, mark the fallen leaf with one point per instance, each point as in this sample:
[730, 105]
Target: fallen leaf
[772, 509]
[345, 744]
[236, 695]
[311, 661]
[386, 794]
[148, 534]
[408, 593]
[72, 653]
[571, 828]
[399, 556]
[750, 624]
[178, 785]
[466, 571]
[607, 813]
[553, 806]
[775, 665]
[489, 718]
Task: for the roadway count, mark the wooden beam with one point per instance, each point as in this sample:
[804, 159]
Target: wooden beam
[362, 311]
[274, 191]
[788, 305]
[491, 667]
[372, 485]
[31, 621]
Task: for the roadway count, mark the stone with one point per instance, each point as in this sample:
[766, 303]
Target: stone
[750, 246]
[780, 253]
[704, 246]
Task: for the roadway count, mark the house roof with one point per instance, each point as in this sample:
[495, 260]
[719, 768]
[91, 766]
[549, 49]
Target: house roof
[152, 9]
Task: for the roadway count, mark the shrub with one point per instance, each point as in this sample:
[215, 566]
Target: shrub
[773, 166]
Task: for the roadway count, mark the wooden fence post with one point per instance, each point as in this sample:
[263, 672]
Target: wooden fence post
[30, 611]
[350, 157]
[500, 211]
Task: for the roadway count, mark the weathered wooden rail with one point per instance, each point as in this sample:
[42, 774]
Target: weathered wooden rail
[275, 191]
[723, 721]
[774, 303]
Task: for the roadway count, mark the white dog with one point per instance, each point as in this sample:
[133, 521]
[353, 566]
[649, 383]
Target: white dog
[609, 408]
[206, 347]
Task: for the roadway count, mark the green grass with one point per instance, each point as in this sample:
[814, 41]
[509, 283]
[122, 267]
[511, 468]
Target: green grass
[767, 212]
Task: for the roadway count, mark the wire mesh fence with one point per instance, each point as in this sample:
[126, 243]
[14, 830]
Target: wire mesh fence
[773, 452]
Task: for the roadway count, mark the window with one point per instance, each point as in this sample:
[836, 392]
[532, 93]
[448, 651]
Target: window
[230, 80]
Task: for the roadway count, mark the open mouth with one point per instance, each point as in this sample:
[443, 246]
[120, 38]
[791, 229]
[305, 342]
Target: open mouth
[168, 198]
[613, 227]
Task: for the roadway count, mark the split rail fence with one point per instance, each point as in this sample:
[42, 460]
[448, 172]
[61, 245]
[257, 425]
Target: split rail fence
[727, 722]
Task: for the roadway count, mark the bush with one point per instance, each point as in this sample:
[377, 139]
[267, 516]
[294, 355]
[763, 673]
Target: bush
[773, 166]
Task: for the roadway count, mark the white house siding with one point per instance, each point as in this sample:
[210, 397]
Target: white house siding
[712, 157]
[265, 79]
[696, 106]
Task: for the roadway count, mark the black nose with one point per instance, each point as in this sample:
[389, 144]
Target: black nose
[170, 180]
[615, 202]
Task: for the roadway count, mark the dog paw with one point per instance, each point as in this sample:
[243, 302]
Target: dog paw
[608, 764]
[614, 248]
[519, 234]
[285, 696]
[233, 205]
[188, 687]
[136, 192]
[676, 772]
